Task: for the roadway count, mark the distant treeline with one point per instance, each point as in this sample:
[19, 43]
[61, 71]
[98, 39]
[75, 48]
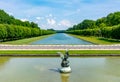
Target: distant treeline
[13, 29]
[107, 27]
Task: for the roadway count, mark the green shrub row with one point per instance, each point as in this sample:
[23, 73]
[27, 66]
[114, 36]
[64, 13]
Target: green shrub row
[13, 32]
[106, 32]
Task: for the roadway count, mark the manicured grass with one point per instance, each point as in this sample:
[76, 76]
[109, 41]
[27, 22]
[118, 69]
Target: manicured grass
[54, 52]
[97, 40]
[25, 41]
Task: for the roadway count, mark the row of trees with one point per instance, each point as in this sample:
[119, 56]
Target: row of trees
[108, 27]
[13, 29]
[8, 19]
[12, 32]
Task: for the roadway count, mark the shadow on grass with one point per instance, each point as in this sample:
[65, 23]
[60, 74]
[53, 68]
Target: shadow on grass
[109, 40]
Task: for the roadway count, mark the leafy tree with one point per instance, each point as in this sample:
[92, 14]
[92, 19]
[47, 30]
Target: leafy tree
[116, 32]
[3, 32]
[88, 24]
[12, 29]
[101, 21]
[113, 19]
[7, 19]
[34, 25]
[107, 27]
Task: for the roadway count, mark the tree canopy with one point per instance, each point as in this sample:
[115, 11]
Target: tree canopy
[108, 27]
[13, 29]
[7, 19]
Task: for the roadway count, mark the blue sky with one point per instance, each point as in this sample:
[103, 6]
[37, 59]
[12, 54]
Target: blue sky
[59, 14]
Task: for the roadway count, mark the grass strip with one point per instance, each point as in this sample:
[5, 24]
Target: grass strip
[54, 52]
[25, 41]
[96, 40]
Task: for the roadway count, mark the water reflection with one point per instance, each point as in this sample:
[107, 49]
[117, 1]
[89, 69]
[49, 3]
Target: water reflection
[39, 70]
[65, 77]
[113, 66]
[61, 38]
[3, 61]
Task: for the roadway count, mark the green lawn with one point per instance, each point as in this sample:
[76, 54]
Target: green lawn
[25, 41]
[54, 52]
[97, 40]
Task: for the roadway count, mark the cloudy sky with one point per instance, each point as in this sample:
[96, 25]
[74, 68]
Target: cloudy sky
[59, 14]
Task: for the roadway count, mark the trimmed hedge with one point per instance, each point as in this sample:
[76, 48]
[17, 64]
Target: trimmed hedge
[13, 32]
[106, 32]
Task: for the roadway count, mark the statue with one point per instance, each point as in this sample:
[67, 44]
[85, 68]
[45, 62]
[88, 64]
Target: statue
[65, 63]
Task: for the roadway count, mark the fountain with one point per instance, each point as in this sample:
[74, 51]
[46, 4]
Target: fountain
[65, 63]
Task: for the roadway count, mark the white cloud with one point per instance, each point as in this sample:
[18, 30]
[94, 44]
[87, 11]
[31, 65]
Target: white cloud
[10, 13]
[24, 19]
[39, 18]
[59, 24]
[36, 21]
[50, 15]
[72, 12]
[66, 23]
[51, 21]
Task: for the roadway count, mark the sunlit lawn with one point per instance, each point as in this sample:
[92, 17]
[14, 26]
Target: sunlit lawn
[97, 40]
[54, 52]
[25, 41]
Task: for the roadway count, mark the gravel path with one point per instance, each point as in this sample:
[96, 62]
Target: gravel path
[59, 47]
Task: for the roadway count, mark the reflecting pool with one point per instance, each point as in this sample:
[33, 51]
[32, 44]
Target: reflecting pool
[46, 70]
[61, 38]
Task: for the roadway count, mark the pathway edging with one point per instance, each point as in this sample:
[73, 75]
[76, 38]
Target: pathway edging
[59, 47]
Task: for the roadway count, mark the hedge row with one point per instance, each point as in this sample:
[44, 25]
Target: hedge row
[107, 32]
[12, 32]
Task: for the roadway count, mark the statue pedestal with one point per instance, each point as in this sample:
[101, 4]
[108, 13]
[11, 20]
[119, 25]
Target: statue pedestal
[65, 69]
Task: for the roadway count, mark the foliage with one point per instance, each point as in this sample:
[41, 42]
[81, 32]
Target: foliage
[107, 27]
[14, 29]
[116, 32]
[86, 24]
[12, 32]
[7, 19]
[3, 32]
[113, 19]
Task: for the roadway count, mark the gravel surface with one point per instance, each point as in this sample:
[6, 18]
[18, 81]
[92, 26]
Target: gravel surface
[59, 47]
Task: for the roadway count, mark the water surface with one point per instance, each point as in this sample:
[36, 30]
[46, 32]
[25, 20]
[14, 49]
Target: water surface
[61, 38]
[46, 70]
